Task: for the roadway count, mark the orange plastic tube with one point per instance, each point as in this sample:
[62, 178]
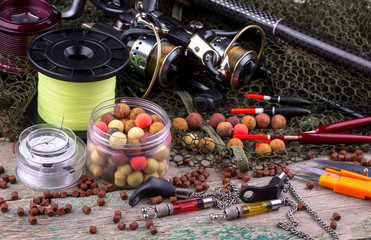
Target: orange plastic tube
[347, 186]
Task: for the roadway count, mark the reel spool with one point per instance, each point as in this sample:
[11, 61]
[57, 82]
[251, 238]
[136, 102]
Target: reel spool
[77, 71]
[49, 157]
[20, 22]
[143, 59]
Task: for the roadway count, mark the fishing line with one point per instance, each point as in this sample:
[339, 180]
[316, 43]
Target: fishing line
[77, 71]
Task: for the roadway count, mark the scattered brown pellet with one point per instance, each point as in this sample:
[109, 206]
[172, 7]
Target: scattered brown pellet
[123, 195]
[49, 212]
[217, 158]
[246, 178]
[227, 169]
[198, 188]
[41, 210]
[271, 165]
[201, 178]
[47, 194]
[183, 178]
[36, 200]
[356, 163]
[196, 183]
[205, 186]
[278, 169]
[54, 206]
[90, 178]
[308, 156]
[341, 158]
[186, 161]
[240, 175]
[244, 184]
[56, 194]
[79, 182]
[365, 148]
[224, 190]
[201, 168]
[2, 169]
[290, 175]
[86, 210]
[103, 189]
[259, 173]
[176, 179]
[110, 188]
[173, 199]
[194, 174]
[95, 191]
[12, 179]
[118, 212]
[186, 184]
[121, 225]
[227, 174]
[68, 208]
[285, 170]
[310, 185]
[333, 225]
[32, 220]
[331, 151]
[33, 212]
[192, 179]
[343, 152]
[5, 178]
[33, 205]
[2, 200]
[301, 206]
[153, 229]
[20, 212]
[44, 203]
[93, 185]
[116, 218]
[89, 192]
[364, 162]
[14, 195]
[149, 223]
[87, 182]
[4, 207]
[93, 229]
[354, 157]
[336, 216]
[226, 180]
[101, 202]
[84, 187]
[133, 225]
[82, 194]
[83, 178]
[334, 156]
[348, 157]
[188, 175]
[272, 172]
[282, 165]
[156, 200]
[265, 172]
[60, 211]
[229, 188]
[102, 194]
[75, 193]
[178, 183]
[359, 152]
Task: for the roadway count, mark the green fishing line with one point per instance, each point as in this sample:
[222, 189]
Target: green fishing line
[72, 100]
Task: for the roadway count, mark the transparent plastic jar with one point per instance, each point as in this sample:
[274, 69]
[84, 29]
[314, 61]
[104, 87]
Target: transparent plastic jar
[112, 161]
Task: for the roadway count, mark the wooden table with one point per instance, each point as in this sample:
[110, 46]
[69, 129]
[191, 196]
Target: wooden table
[354, 224]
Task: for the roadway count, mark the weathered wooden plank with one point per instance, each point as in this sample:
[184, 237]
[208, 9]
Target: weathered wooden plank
[355, 222]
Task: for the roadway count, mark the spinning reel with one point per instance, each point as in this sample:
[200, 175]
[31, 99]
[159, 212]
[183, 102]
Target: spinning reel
[182, 48]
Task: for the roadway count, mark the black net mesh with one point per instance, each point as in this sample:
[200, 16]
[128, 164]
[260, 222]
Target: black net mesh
[295, 73]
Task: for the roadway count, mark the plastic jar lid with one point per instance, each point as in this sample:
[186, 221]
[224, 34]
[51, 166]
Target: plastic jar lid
[49, 156]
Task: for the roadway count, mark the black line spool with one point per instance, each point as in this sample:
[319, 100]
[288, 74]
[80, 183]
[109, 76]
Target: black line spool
[20, 22]
[77, 69]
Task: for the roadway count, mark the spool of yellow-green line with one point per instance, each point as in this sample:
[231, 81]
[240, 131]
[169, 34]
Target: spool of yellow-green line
[76, 69]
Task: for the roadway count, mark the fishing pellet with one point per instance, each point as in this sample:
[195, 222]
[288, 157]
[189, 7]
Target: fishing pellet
[86, 210]
[36, 200]
[341, 158]
[156, 200]
[258, 173]
[84, 187]
[192, 179]
[359, 152]
[133, 225]
[44, 203]
[240, 175]
[290, 175]
[2, 200]
[101, 202]
[333, 225]
[272, 172]
[123, 195]
[186, 161]
[33, 212]
[4, 207]
[54, 206]
[153, 229]
[2, 169]
[121, 225]
[93, 185]
[101, 194]
[310, 185]
[265, 172]
[41, 210]
[110, 188]
[336, 216]
[90, 178]
[149, 223]
[95, 191]
[47, 194]
[196, 183]
[116, 218]
[49, 212]
[93, 229]
[301, 206]
[205, 186]
[88, 183]
[198, 188]
[60, 211]
[32, 220]
[89, 192]
[56, 194]
[226, 180]
[246, 178]
[207, 174]
[118, 212]
[82, 194]
[173, 199]
[5, 178]
[227, 174]
[244, 184]
[75, 193]
[183, 178]
[12, 179]
[186, 184]
[33, 205]
[68, 208]
[20, 212]
[14, 195]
